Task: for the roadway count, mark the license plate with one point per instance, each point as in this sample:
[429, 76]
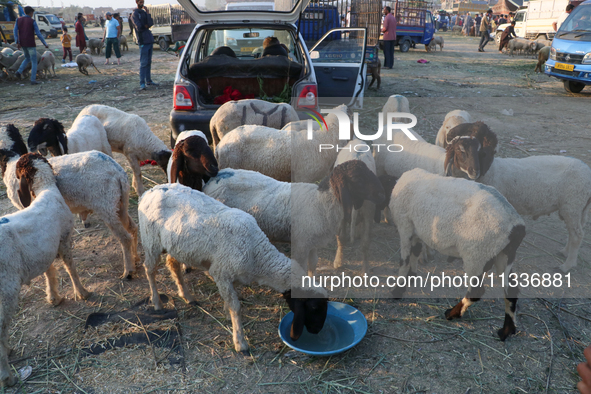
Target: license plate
[562, 66]
[247, 49]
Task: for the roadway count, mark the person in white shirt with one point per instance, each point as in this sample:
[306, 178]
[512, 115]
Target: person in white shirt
[556, 24]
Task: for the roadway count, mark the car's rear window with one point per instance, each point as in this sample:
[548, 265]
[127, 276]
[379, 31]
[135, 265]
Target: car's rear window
[244, 42]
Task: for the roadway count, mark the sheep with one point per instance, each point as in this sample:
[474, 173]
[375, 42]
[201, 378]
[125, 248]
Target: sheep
[459, 159]
[192, 162]
[85, 60]
[130, 134]
[540, 185]
[249, 112]
[436, 40]
[374, 69]
[46, 64]
[543, 55]
[188, 225]
[87, 133]
[7, 51]
[286, 155]
[357, 150]
[6, 61]
[521, 44]
[452, 119]
[541, 43]
[31, 240]
[95, 46]
[89, 182]
[123, 42]
[485, 137]
[461, 219]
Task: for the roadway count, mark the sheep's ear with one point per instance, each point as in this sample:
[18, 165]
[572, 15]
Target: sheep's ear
[63, 143]
[24, 192]
[162, 157]
[299, 315]
[178, 163]
[449, 160]
[486, 157]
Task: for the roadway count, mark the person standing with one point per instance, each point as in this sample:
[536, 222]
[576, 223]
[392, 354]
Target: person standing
[467, 24]
[389, 30]
[111, 34]
[117, 17]
[484, 33]
[25, 29]
[130, 21]
[477, 21]
[506, 36]
[142, 20]
[556, 24]
[80, 35]
[66, 44]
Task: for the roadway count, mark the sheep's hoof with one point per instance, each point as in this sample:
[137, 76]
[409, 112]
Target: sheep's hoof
[127, 275]
[245, 353]
[450, 314]
[564, 268]
[188, 270]
[83, 294]
[55, 301]
[86, 224]
[8, 381]
[193, 303]
[506, 331]
[398, 292]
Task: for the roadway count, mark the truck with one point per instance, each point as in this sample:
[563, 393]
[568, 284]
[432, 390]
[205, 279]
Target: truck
[415, 24]
[318, 18]
[535, 21]
[49, 24]
[171, 24]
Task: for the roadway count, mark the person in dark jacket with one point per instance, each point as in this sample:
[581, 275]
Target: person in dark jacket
[142, 21]
[25, 29]
[130, 21]
[506, 36]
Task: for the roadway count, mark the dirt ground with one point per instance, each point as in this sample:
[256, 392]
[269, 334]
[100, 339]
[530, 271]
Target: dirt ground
[409, 347]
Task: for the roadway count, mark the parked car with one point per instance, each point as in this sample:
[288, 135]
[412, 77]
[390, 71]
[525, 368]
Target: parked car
[334, 68]
[570, 56]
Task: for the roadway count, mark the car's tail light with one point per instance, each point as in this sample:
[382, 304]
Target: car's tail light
[182, 98]
[308, 97]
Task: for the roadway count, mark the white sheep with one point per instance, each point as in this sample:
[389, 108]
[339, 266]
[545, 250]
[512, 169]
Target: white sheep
[46, 64]
[31, 240]
[249, 112]
[89, 182]
[130, 134]
[86, 133]
[459, 159]
[452, 119]
[462, 219]
[189, 225]
[540, 185]
[286, 155]
[358, 150]
[84, 61]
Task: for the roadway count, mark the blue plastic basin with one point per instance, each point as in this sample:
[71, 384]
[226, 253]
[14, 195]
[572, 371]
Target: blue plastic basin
[344, 328]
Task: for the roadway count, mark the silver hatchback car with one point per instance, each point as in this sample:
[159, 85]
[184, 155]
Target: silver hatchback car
[253, 49]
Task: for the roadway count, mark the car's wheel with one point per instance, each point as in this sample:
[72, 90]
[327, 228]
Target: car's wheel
[498, 37]
[404, 45]
[163, 44]
[573, 87]
[43, 34]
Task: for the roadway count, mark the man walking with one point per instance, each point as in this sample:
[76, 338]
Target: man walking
[142, 21]
[111, 34]
[484, 34]
[25, 29]
[389, 30]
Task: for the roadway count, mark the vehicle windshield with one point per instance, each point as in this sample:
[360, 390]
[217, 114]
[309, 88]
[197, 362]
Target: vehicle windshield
[579, 21]
[245, 5]
[52, 18]
[247, 43]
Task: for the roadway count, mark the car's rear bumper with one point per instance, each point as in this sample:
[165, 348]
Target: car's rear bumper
[190, 120]
[581, 72]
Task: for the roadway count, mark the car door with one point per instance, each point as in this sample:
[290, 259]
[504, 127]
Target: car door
[429, 28]
[520, 21]
[338, 59]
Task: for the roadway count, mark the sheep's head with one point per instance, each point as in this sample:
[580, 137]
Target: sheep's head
[26, 169]
[192, 162]
[307, 312]
[10, 138]
[352, 183]
[462, 159]
[161, 158]
[48, 135]
[484, 135]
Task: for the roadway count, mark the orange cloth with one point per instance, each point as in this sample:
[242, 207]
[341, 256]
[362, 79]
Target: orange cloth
[66, 40]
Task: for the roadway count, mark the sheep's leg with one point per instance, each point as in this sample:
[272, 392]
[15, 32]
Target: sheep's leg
[118, 227]
[150, 266]
[175, 270]
[8, 307]
[83, 216]
[51, 286]
[473, 295]
[365, 237]
[132, 229]
[232, 303]
[312, 261]
[410, 249]
[338, 258]
[354, 216]
[137, 174]
[65, 252]
[573, 242]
